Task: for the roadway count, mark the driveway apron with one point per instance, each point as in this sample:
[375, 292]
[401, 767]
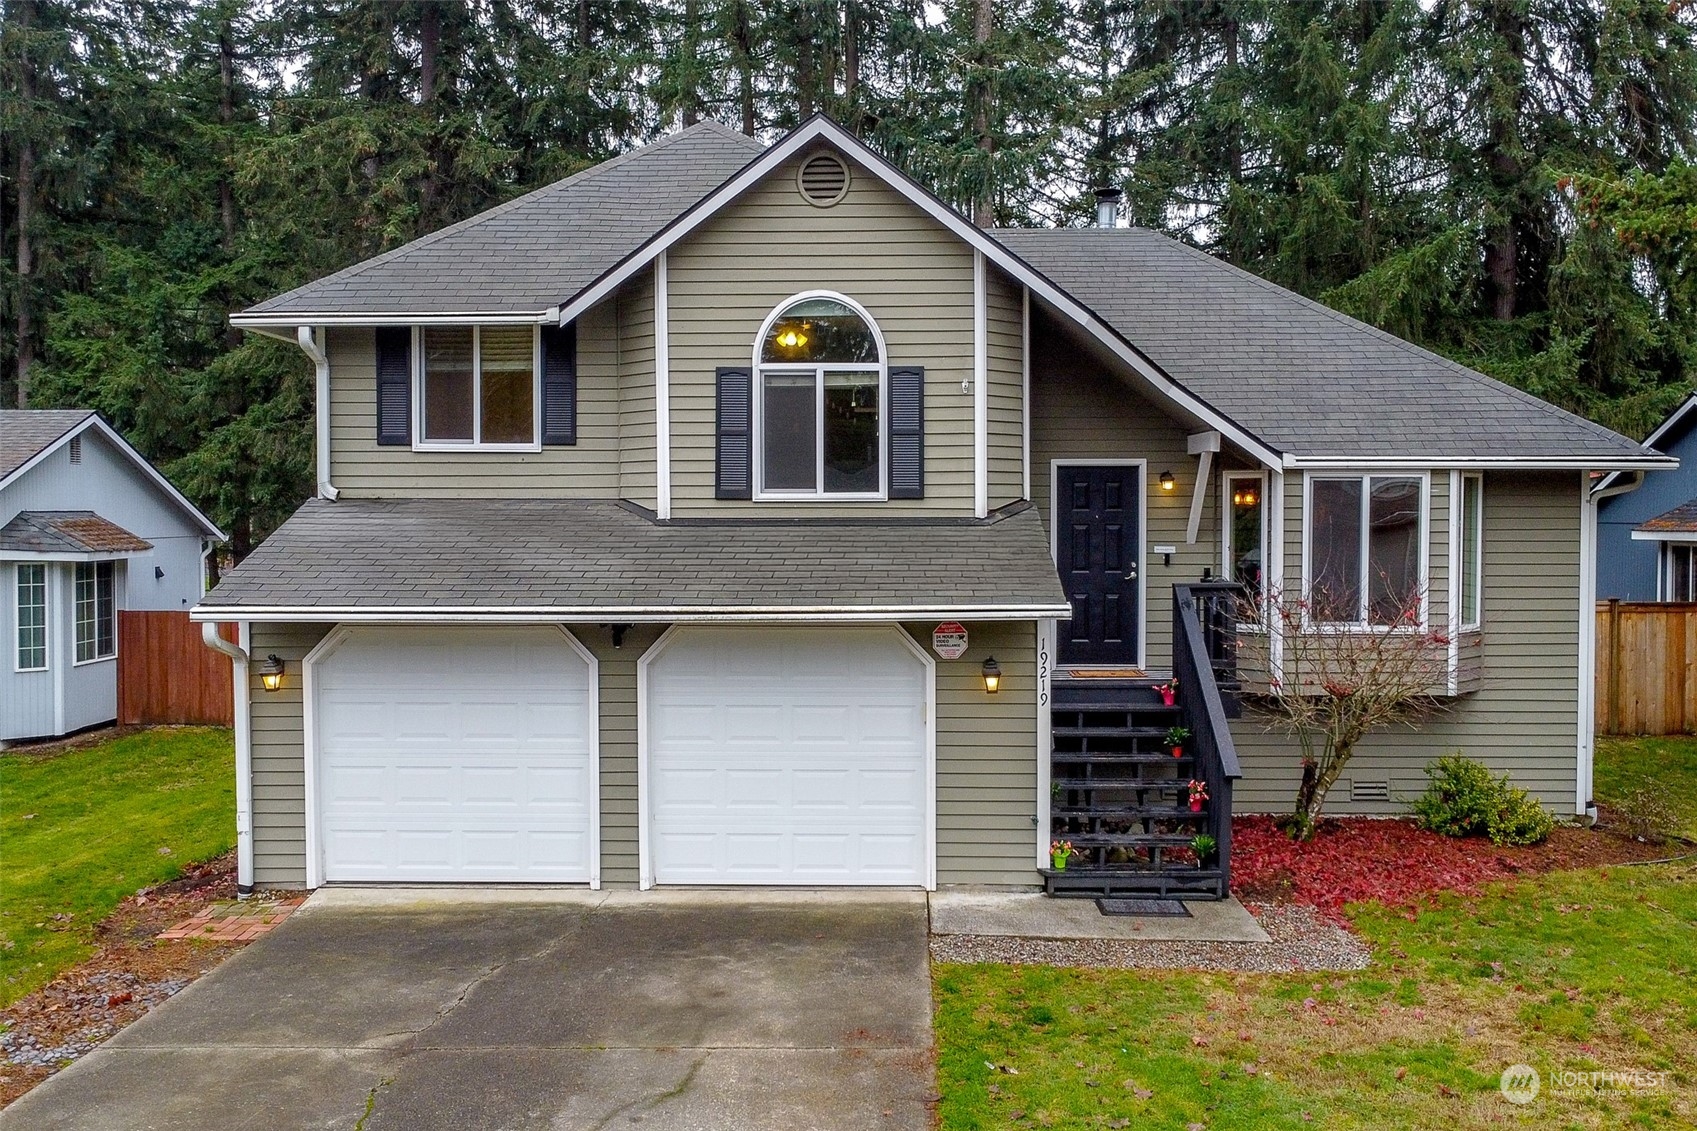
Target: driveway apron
[716, 1011]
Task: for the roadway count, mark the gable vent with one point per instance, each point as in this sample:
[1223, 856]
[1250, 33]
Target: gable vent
[1370, 791]
[76, 449]
[823, 179]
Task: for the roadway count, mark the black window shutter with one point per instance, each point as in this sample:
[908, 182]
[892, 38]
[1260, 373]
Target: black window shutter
[907, 432]
[559, 384]
[734, 478]
[394, 385]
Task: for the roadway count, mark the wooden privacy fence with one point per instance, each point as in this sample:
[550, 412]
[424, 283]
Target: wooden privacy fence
[1646, 667]
[167, 674]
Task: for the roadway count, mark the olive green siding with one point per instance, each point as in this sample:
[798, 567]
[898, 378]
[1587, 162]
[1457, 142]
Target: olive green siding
[635, 305]
[1523, 719]
[907, 270]
[1005, 388]
[360, 468]
[619, 864]
[1082, 412]
[986, 757]
[279, 757]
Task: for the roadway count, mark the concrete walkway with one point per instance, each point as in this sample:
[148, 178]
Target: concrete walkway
[420, 1010]
[1033, 915]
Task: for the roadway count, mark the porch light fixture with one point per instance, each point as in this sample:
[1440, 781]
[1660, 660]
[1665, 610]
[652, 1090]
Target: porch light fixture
[792, 339]
[271, 672]
[1168, 483]
[992, 676]
[1245, 497]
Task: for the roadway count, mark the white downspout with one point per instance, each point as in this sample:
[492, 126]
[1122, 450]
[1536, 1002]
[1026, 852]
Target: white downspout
[321, 409]
[244, 750]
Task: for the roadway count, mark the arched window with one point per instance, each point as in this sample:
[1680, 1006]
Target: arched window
[819, 400]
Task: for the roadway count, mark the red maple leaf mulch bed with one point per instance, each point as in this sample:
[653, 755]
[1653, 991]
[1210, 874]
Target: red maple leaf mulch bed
[1356, 858]
[133, 971]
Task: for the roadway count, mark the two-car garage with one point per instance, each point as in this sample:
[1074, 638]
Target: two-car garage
[762, 756]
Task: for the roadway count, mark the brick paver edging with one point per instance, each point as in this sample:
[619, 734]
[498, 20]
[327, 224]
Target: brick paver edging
[227, 923]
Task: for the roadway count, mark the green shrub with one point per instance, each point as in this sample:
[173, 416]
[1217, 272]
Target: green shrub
[1463, 798]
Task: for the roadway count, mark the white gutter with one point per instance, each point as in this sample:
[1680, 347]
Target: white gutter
[1584, 801]
[314, 348]
[398, 317]
[244, 749]
[632, 614]
[1532, 463]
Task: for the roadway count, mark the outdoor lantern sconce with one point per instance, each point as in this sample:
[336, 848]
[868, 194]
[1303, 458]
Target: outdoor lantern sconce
[1168, 483]
[271, 672]
[992, 676]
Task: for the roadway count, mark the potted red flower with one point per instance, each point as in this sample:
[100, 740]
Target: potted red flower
[1059, 852]
[1175, 739]
[1198, 794]
[1168, 692]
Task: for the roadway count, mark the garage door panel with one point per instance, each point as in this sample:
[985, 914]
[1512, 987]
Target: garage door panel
[774, 755]
[455, 755]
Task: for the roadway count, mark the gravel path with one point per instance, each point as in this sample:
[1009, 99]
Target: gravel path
[1301, 940]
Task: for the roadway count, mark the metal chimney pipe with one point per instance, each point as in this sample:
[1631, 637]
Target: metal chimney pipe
[1108, 207]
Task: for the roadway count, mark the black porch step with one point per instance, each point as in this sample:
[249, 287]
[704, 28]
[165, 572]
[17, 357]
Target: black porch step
[1107, 732]
[1133, 812]
[1183, 882]
[1119, 757]
[1127, 840]
[1117, 784]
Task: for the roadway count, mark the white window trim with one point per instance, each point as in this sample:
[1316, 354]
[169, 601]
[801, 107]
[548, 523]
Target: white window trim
[420, 444]
[1460, 505]
[1424, 580]
[758, 414]
[1665, 587]
[46, 618]
[98, 658]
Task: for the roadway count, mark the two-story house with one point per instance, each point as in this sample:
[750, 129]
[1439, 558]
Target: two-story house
[742, 514]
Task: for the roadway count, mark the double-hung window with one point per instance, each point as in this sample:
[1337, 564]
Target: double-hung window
[96, 612]
[31, 592]
[1365, 543]
[478, 387]
[819, 402]
[1680, 569]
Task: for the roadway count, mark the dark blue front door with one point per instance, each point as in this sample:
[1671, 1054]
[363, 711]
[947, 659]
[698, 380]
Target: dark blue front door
[1098, 553]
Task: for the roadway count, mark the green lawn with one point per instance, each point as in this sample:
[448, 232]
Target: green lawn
[1573, 972]
[82, 829]
[1665, 766]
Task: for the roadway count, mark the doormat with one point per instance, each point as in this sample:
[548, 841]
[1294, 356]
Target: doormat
[1154, 908]
[1105, 673]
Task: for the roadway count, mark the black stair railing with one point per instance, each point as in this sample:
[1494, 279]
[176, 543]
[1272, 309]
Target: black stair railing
[1204, 658]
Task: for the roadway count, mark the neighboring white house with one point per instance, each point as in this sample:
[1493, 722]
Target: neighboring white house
[87, 527]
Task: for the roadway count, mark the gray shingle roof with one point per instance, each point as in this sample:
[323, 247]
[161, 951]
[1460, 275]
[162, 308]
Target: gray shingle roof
[76, 532]
[26, 432]
[604, 558]
[1303, 378]
[541, 249]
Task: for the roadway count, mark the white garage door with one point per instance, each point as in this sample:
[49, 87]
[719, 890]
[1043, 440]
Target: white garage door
[455, 755]
[783, 756]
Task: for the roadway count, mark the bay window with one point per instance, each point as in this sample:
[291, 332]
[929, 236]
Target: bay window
[1364, 549]
[477, 386]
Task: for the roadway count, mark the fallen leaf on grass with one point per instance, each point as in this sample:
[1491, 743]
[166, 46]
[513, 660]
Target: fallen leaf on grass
[1401, 1072]
[1199, 1041]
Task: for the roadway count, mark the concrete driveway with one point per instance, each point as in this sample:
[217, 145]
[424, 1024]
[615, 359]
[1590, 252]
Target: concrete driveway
[378, 1010]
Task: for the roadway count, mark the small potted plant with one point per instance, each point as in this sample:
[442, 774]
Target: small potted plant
[1198, 794]
[1204, 846]
[1059, 852]
[1175, 739]
[1168, 692]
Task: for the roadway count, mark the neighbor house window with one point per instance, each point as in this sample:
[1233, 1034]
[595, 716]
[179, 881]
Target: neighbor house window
[1365, 535]
[1472, 547]
[477, 386]
[819, 398]
[1245, 537]
[96, 612]
[1681, 572]
[32, 617]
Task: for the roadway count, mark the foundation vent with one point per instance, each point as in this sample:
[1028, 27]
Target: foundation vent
[1370, 791]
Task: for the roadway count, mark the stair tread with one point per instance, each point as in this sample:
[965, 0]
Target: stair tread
[1127, 840]
[1108, 732]
[1124, 811]
[1155, 757]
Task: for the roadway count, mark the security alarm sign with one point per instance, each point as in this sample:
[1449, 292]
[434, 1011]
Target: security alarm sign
[948, 640]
